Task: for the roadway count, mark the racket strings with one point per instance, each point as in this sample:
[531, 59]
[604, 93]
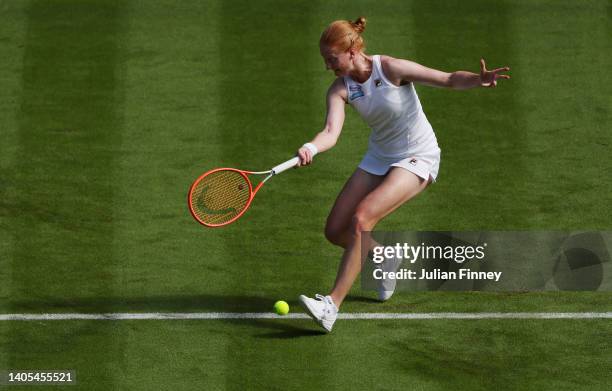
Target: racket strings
[220, 196]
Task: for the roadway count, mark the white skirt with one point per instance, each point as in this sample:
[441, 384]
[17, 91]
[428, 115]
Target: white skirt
[425, 165]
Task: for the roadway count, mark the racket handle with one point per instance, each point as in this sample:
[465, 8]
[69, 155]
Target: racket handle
[286, 165]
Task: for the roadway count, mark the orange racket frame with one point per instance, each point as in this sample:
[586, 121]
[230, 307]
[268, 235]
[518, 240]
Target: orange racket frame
[245, 174]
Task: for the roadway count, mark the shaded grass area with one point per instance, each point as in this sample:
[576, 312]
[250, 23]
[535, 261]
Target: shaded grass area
[59, 192]
[483, 180]
[425, 355]
[169, 67]
[266, 101]
[12, 33]
[59, 195]
[567, 107]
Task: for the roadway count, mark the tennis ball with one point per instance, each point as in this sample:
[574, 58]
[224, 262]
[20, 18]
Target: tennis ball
[281, 307]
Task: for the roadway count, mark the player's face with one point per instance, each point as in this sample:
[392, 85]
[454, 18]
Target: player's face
[337, 61]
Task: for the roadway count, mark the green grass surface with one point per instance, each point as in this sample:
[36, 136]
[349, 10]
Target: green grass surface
[280, 355]
[110, 109]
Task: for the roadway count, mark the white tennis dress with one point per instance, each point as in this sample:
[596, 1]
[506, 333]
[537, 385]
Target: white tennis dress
[401, 134]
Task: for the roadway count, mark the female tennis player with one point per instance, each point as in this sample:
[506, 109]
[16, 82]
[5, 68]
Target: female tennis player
[402, 157]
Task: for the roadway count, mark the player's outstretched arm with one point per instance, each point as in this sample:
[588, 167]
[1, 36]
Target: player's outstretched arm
[403, 71]
[326, 138]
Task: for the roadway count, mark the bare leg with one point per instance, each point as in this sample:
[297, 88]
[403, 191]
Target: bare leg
[358, 186]
[398, 186]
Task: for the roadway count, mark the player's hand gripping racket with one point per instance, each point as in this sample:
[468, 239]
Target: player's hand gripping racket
[220, 196]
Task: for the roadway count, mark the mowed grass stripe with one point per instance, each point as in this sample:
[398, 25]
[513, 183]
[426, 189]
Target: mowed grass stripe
[61, 212]
[12, 33]
[170, 68]
[483, 170]
[68, 128]
[171, 114]
[267, 97]
[565, 87]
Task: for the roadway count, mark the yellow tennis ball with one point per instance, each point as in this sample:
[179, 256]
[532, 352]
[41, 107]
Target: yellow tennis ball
[281, 307]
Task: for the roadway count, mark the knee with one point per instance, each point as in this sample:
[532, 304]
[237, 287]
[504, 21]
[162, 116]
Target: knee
[362, 220]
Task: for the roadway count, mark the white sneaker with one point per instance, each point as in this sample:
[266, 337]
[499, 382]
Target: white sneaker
[386, 287]
[322, 310]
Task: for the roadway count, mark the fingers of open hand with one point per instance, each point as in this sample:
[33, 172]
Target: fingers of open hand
[502, 69]
[489, 78]
[496, 75]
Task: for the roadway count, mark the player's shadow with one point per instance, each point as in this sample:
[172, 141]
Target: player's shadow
[154, 303]
[361, 299]
[282, 329]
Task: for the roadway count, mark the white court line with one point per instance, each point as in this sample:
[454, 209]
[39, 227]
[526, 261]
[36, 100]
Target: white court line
[269, 315]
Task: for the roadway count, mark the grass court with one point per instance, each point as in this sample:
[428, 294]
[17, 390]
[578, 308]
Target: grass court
[110, 109]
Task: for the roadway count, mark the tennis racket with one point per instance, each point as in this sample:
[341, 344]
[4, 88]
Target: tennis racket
[220, 196]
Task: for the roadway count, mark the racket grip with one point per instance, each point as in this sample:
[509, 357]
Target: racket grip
[286, 165]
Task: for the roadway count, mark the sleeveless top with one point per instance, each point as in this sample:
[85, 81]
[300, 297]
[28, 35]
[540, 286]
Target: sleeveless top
[399, 126]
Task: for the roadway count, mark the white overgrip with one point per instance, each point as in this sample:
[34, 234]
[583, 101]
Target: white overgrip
[286, 165]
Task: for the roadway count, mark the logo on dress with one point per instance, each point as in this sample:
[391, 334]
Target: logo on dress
[378, 82]
[413, 162]
[355, 92]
